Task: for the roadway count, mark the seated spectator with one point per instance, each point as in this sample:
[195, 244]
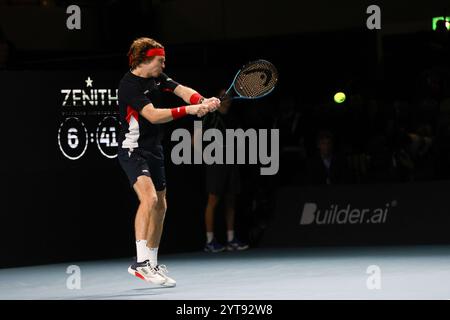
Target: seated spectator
[412, 155]
[326, 167]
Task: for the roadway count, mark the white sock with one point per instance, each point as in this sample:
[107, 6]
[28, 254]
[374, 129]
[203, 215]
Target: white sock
[209, 237]
[230, 235]
[141, 250]
[153, 256]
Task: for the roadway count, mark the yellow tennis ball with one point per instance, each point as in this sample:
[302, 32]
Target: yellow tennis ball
[339, 97]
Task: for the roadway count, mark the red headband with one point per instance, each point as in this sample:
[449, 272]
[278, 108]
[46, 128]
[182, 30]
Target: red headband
[155, 52]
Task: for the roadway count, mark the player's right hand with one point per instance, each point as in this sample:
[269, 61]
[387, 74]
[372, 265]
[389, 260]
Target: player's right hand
[198, 110]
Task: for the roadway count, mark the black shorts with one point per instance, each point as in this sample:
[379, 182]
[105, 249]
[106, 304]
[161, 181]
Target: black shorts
[223, 179]
[139, 162]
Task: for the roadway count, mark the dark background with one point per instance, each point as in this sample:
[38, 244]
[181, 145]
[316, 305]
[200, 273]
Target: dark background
[396, 80]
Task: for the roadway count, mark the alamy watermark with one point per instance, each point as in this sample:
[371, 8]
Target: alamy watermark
[374, 20]
[74, 280]
[74, 20]
[229, 149]
[373, 282]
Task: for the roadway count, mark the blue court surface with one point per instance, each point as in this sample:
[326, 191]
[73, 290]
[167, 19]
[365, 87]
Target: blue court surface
[331, 273]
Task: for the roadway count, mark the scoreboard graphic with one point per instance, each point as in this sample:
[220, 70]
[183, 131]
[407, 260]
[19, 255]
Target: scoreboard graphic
[89, 120]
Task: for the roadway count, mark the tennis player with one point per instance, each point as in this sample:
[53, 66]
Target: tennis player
[140, 152]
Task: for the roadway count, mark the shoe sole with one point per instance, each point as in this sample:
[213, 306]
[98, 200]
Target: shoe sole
[237, 249]
[136, 274]
[140, 276]
[213, 251]
[169, 285]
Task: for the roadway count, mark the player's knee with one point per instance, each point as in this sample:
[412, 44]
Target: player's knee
[149, 200]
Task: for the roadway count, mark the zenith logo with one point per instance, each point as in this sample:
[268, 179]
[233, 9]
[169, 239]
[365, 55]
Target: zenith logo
[93, 97]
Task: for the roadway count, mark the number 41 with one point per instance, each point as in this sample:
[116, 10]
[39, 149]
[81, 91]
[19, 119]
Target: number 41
[109, 138]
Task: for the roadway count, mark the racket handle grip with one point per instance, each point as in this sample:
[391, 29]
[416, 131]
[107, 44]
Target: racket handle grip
[225, 97]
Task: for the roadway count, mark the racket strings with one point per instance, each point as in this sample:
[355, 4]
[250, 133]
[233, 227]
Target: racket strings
[256, 79]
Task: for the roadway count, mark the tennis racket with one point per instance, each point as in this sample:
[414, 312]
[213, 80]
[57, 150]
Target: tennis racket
[254, 80]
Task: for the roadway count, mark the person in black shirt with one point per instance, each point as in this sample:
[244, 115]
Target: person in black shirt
[140, 152]
[222, 183]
